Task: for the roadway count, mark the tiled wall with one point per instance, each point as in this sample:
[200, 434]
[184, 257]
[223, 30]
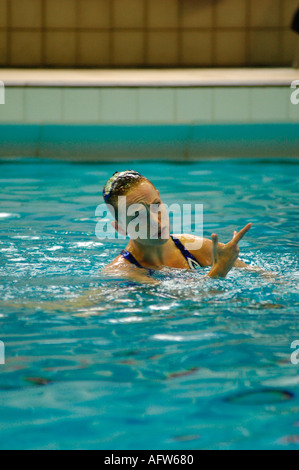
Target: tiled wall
[149, 105]
[120, 33]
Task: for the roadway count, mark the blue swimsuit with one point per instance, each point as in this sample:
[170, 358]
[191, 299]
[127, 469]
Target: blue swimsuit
[191, 260]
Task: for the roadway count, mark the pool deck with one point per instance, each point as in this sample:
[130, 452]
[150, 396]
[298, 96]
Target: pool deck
[225, 77]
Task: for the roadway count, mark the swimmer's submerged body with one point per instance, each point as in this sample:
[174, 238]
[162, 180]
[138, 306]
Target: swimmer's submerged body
[144, 255]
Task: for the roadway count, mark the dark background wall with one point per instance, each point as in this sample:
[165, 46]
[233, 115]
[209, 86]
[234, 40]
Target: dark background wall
[146, 33]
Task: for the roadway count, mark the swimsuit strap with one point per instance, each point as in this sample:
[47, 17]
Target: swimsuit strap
[192, 261]
[128, 256]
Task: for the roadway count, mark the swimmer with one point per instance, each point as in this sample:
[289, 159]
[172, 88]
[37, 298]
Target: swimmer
[144, 255]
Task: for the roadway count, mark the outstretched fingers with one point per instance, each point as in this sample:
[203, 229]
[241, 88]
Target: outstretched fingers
[215, 247]
[239, 235]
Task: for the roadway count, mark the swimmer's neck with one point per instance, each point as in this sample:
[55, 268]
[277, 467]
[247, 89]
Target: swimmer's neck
[151, 255]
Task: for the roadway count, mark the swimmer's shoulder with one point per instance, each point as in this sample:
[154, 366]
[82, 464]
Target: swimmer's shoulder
[199, 247]
[117, 264]
[202, 249]
[122, 268]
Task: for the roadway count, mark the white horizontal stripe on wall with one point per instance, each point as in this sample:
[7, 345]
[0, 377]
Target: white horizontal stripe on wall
[148, 105]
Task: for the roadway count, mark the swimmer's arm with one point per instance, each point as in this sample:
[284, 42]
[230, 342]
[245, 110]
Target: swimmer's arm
[204, 254]
[89, 299]
[205, 257]
[121, 269]
[225, 256]
[240, 264]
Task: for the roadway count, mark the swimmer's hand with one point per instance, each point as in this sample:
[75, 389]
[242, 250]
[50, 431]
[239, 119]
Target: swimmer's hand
[225, 256]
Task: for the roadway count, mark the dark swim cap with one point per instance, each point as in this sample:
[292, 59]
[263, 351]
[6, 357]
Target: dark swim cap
[120, 180]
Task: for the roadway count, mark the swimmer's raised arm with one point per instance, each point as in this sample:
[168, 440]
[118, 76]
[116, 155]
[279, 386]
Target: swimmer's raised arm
[204, 254]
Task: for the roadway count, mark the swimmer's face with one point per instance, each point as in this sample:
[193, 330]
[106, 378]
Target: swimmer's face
[146, 217]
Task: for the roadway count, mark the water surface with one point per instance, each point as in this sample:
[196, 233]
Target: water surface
[189, 364]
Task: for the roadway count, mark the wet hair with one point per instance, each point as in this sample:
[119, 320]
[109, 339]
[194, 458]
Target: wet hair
[120, 184]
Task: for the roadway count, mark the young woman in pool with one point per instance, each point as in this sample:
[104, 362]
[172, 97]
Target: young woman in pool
[144, 255]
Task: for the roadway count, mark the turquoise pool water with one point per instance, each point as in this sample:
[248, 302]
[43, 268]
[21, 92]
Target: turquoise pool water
[184, 365]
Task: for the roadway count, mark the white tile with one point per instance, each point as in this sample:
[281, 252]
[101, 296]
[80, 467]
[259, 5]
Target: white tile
[231, 105]
[194, 104]
[81, 105]
[43, 105]
[156, 105]
[119, 105]
[269, 104]
[13, 109]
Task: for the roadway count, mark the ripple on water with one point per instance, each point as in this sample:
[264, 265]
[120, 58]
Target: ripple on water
[8, 215]
[262, 397]
[139, 361]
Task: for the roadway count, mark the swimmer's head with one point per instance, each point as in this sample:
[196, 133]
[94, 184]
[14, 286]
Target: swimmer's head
[120, 184]
[144, 200]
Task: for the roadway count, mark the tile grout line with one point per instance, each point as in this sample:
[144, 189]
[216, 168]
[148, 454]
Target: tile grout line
[111, 34]
[281, 11]
[180, 35]
[43, 33]
[247, 32]
[214, 42]
[145, 31]
[77, 29]
[9, 29]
